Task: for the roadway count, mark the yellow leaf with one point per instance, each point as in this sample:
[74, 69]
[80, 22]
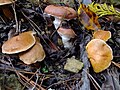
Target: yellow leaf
[88, 18]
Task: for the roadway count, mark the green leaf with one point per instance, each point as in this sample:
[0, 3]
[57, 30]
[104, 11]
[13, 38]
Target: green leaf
[45, 70]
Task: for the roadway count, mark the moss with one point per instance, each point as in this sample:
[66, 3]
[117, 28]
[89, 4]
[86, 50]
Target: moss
[9, 82]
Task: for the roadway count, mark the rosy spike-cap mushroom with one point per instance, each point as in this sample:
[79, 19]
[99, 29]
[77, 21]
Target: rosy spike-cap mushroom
[100, 54]
[60, 12]
[66, 35]
[34, 54]
[101, 34]
[19, 43]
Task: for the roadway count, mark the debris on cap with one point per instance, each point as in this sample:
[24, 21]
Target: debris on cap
[100, 54]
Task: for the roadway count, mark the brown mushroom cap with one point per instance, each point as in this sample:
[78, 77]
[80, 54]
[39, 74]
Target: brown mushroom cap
[66, 32]
[34, 54]
[99, 54]
[61, 11]
[19, 43]
[4, 2]
[101, 34]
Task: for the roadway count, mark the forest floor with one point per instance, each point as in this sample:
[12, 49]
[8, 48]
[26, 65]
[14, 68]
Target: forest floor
[50, 74]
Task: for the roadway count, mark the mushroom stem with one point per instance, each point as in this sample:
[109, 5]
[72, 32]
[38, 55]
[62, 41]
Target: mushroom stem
[66, 42]
[57, 22]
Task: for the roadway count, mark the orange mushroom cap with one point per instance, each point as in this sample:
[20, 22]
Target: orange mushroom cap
[100, 54]
[61, 11]
[101, 34]
[34, 54]
[19, 43]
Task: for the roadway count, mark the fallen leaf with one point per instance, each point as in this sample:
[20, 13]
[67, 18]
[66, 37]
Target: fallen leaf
[7, 12]
[88, 18]
[73, 65]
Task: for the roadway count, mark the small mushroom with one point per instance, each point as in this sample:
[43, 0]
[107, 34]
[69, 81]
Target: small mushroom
[66, 34]
[19, 43]
[4, 2]
[100, 54]
[60, 12]
[101, 34]
[34, 54]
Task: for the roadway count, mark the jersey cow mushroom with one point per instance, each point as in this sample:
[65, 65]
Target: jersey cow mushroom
[66, 34]
[100, 54]
[60, 12]
[25, 44]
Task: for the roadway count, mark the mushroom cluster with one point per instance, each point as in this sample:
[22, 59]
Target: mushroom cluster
[26, 46]
[100, 54]
[62, 13]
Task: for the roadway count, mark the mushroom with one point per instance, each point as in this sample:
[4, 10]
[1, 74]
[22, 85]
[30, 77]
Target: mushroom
[4, 2]
[60, 12]
[100, 54]
[101, 34]
[34, 54]
[19, 43]
[66, 34]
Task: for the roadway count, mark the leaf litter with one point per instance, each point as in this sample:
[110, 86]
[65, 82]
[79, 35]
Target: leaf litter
[50, 73]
